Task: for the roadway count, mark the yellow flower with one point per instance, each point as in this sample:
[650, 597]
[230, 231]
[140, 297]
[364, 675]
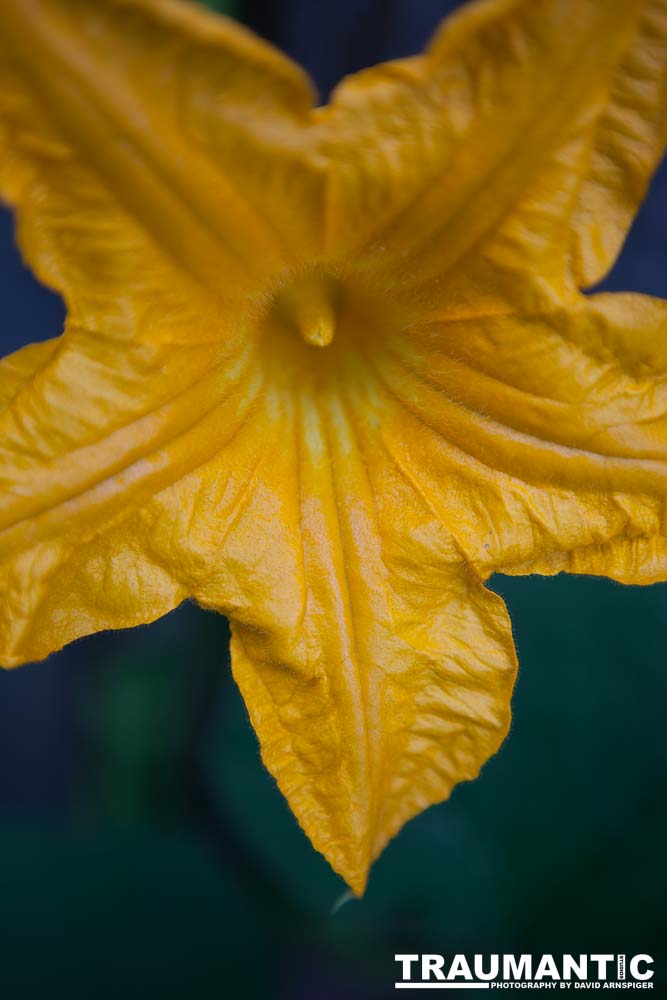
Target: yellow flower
[325, 369]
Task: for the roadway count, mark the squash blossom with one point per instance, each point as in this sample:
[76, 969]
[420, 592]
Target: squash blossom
[325, 369]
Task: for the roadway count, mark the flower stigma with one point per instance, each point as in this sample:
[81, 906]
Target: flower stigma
[310, 307]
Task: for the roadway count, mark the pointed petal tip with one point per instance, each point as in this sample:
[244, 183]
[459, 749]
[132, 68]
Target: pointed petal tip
[351, 859]
[355, 879]
[358, 882]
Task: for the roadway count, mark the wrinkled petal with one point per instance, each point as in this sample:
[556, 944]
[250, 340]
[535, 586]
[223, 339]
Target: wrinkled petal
[542, 440]
[146, 143]
[521, 141]
[88, 434]
[399, 683]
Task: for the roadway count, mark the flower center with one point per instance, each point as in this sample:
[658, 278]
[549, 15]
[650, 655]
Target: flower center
[322, 324]
[310, 306]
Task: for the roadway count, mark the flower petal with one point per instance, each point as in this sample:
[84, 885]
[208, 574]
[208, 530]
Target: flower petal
[522, 140]
[541, 441]
[142, 140]
[398, 683]
[88, 434]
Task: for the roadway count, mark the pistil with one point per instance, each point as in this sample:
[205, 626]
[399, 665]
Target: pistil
[310, 306]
